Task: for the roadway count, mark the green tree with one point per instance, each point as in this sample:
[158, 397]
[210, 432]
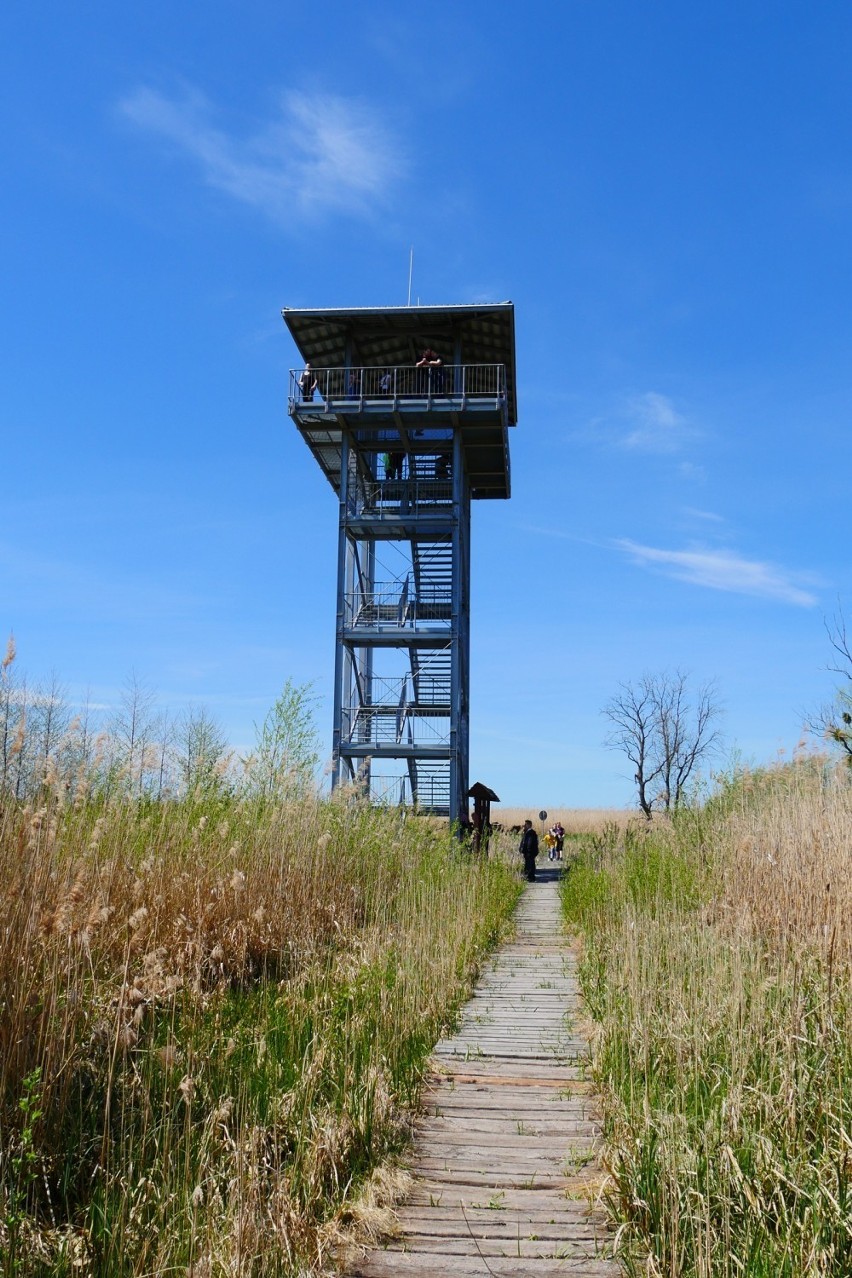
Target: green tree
[284, 761]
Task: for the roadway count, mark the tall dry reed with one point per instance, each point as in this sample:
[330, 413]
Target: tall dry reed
[717, 964]
[214, 1017]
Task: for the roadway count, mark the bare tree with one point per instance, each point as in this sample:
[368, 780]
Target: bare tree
[834, 720]
[665, 733]
[632, 715]
[49, 720]
[201, 751]
[78, 749]
[131, 729]
[12, 719]
[686, 731]
[164, 730]
[18, 761]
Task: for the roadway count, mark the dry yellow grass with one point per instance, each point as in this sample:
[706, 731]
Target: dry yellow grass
[788, 857]
[718, 965]
[213, 1018]
[575, 820]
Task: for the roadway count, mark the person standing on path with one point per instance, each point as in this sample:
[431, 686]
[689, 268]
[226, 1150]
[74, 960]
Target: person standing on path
[529, 850]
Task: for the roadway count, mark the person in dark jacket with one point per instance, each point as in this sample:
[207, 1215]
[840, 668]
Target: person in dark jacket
[529, 850]
[308, 383]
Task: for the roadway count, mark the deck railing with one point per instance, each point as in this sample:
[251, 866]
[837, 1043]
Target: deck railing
[392, 384]
[432, 692]
[395, 604]
[366, 727]
[392, 497]
[395, 717]
[433, 791]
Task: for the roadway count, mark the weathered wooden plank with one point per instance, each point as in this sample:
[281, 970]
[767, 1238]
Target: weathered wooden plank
[505, 1134]
[515, 1101]
[517, 1117]
[469, 1052]
[427, 1197]
[497, 1076]
[501, 1100]
[385, 1264]
[507, 1139]
[446, 1235]
[488, 1178]
[519, 1247]
[545, 1217]
[441, 1154]
[518, 1105]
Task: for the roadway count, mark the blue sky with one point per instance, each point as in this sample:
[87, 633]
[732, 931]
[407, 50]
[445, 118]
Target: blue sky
[665, 192]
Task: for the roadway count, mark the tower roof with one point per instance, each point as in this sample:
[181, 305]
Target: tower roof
[396, 335]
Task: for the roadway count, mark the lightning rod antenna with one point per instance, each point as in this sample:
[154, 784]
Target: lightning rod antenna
[410, 272]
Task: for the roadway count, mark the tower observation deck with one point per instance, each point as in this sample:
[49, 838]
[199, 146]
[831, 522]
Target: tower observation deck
[406, 445]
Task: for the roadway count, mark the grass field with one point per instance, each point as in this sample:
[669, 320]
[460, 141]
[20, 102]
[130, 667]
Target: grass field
[216, 1005]
[716, 963]
[214, 1017]
[575, 820]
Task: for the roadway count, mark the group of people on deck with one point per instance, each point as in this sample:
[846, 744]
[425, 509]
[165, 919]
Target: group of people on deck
[430, 378]
[554, 842]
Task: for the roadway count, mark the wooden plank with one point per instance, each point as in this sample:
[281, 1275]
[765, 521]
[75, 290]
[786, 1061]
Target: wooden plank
[503, 1100]
[518, 1176]
[519, 1247]
[426, 1197]
[491, 1219]
[422, 1265]
[508, 1139]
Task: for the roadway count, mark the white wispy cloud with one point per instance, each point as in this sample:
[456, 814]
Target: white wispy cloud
[319, 153]
[708, 516]
[723, 570]
[657, 427]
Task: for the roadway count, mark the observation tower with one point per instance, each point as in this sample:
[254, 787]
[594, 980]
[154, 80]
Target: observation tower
[407, 443]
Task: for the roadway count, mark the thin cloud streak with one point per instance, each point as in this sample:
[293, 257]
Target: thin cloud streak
[659, 428]
[321, 153]
[707, 516]
[721, 570]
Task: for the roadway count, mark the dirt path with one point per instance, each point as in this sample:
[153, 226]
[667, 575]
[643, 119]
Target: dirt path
[506, 1146]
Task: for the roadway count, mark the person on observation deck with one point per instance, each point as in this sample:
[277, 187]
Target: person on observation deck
[433, 369]
[529, 850]
[307, 384]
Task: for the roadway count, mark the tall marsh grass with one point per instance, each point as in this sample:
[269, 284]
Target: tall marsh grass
[214, 1018]
[716, 962]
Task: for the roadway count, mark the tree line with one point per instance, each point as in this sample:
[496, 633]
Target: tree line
[135, 749]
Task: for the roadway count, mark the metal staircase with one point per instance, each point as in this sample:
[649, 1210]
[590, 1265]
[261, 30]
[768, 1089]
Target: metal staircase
[432, 573]
[387, 710]
[430, 786]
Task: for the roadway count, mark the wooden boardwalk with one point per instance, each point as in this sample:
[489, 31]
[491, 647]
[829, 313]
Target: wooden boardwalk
[506, 1146]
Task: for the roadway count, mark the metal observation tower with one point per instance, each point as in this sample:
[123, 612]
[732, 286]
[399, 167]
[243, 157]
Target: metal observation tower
[406, 410]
